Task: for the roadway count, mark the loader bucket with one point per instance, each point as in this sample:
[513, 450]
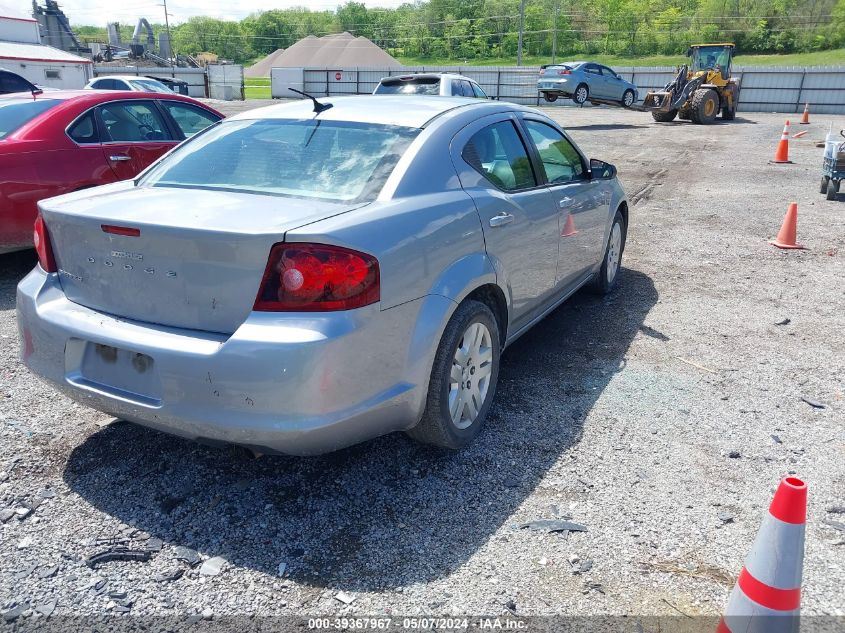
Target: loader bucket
[658, 102]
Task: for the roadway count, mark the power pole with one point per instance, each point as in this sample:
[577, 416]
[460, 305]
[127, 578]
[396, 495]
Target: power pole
[169, 39]
[521, 27]
[554, 33]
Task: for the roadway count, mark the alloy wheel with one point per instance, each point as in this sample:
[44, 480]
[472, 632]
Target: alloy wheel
[614, 252]
[469, 382]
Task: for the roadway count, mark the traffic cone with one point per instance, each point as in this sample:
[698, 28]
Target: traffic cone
[788, 230]
[767, 594]
[782, 152]
[569, 227]
[805, 118]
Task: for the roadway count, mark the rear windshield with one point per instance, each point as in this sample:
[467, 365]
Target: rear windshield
[151, 85]
[330, 160]
[415, 86]
[14, 113]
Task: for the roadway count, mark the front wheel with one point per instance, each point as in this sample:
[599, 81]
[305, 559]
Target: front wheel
[605, 279]
[581, 94]
[832, 189]
[664, 117]
[628, 98]
[825, 180]
[463, 378]
[704, 106]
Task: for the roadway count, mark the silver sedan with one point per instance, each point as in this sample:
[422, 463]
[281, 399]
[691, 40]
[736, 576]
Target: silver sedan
[585, 81]
[297, 279]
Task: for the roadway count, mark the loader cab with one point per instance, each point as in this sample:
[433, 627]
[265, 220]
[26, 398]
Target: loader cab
[711, 58]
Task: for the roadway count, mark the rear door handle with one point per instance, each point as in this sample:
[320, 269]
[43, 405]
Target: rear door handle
[119, 157]
[501, 219]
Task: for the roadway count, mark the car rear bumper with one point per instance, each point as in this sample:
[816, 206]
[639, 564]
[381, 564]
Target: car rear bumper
[564, 84]
[296, 384]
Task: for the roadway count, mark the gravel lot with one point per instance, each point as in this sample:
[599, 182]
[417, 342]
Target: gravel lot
[660, 418]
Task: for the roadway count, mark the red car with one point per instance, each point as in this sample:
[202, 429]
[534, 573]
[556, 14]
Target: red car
[65, 140]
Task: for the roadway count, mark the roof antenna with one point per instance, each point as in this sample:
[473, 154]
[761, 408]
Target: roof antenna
[318, 107]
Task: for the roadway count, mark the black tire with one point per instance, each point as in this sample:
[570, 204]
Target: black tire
[581, 94]
[548, 96]
[628, 98]
[832, 189]
[436, 426]
[684, 114]
[728, 113]
[825, 181]
[601, 284]
[664, 117]
[704, 106]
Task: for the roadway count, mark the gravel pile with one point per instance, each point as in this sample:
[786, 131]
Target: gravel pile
[658, 421]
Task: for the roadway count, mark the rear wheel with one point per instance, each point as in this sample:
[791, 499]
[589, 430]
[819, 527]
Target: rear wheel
[582, 92]
[605, 279]
[664, 117]
[704, 106]
[832, 189]
[628, 98]
[463, 378]
[729, 112]
[825, 180]
[550, 97]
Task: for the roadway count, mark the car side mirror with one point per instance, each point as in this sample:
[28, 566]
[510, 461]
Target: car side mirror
[600, 170]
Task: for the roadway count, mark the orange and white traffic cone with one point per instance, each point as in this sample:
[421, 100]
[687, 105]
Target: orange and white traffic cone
[569, 227]
[805, 118]
[767, 594]
[788, 230]
[782, 152]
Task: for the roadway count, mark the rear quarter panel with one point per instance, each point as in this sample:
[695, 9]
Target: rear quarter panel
[35, 170]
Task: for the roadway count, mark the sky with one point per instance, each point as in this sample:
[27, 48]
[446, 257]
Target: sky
[99, 12]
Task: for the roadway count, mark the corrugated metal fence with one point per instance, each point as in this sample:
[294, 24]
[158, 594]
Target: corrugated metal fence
[763, 89]
[216, 81]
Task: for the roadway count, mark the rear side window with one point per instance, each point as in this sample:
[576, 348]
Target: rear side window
[190, 119]
[84, 131]
[133, 122]
[478, 92]
[497, 153]
[330, 160]
[10, 82]
[14, 113]
[415, 86]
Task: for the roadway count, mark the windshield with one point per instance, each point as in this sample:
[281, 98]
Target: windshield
[150, 85]
[416, 86]
[710, 57]
[14, 113]
[331, 160]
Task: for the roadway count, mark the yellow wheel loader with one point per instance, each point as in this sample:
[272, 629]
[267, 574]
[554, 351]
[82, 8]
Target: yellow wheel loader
[700, 90]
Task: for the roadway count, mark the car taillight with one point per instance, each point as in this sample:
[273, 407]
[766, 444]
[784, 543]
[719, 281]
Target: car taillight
[41, 238]
[317, 278]
[564, 72]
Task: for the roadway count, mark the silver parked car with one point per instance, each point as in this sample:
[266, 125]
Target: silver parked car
[298, 281]
[585, 81]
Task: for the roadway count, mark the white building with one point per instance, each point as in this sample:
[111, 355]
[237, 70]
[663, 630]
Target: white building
[22, 52]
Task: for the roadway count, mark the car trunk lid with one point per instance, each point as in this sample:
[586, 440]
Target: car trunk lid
[186, 258]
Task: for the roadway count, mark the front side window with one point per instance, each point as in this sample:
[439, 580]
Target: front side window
[330, 160]
[190, 119]
[84, 131]
[133, 122]
[497, 153]
[14, 113]
[560, 159]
